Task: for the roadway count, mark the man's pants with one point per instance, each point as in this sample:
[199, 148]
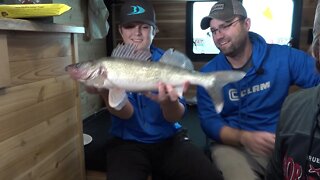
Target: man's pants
[238, 163]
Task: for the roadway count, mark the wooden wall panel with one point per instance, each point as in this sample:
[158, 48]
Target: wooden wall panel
[167, 43]
[307, 19]
[171, 30]
[21, 120]
[40, 126]
[18, 152]
[24, 46]
[4, 62]
[308, 16]
[304, 33]
[30, 71]
[19, 97]
[172, 10]
[62, 161]
[33, 59]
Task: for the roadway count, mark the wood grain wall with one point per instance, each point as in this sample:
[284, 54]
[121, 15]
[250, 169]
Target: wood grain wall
[308, 12]
[40, 131]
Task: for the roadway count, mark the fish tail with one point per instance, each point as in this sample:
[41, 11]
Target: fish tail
[217, 81]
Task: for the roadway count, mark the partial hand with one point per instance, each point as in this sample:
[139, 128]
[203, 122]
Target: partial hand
[258, 142]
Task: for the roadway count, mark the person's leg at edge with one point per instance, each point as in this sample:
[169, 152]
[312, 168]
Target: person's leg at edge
[237, 163]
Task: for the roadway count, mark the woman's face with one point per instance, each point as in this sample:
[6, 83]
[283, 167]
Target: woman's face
[139, 34]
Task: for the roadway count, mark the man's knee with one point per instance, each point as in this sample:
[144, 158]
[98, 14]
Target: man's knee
[233, 162]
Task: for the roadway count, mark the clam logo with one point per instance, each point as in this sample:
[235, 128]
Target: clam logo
[136, 10]
[233, 95]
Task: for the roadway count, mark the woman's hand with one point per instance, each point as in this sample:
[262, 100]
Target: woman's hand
[168, 98]
[166, 93]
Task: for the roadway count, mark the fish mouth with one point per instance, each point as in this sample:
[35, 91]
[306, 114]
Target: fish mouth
[80, 73]
[83, 71]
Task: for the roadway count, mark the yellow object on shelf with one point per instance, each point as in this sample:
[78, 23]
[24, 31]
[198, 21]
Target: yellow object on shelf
[32, 10]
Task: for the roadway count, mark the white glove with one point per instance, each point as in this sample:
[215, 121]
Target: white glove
[122, 103]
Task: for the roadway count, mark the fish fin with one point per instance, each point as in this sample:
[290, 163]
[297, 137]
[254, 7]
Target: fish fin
[116, 97]
[220, 79]
[129, 51]
[179, 90]
[176, 58]
[100, 81]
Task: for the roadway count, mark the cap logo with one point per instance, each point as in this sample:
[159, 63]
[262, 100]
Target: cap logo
[136, 10]
[218, 7]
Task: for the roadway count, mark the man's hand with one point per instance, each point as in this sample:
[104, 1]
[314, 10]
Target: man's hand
[258, 142]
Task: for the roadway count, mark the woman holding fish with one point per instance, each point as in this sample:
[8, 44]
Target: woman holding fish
[147, 137]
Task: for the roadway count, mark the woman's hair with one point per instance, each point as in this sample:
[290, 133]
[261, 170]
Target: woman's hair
[314, 50]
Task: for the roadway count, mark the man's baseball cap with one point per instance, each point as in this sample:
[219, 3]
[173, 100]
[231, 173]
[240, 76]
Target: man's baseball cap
[137, 11]
[224, 10]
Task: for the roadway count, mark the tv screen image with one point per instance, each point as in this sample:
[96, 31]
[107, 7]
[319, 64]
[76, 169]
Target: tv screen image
[277, 21]
[202, 40]
[272, 19]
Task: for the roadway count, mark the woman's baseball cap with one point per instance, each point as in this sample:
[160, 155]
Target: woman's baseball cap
[137, 11]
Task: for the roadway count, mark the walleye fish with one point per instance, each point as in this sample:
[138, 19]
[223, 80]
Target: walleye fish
[130, 70]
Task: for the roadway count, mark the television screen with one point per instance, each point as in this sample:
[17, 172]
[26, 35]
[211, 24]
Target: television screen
[202, 40]
[278, 21]
[272, 19]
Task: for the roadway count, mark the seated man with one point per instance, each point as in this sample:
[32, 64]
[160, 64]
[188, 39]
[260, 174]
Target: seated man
[244, 132]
